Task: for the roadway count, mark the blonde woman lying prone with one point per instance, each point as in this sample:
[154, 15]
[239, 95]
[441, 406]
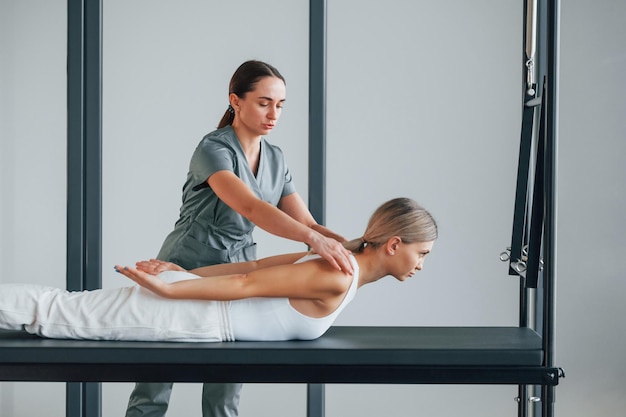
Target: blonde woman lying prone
[285, 297]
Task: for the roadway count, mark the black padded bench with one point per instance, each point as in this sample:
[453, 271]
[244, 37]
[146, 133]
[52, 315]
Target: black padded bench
[384, 355]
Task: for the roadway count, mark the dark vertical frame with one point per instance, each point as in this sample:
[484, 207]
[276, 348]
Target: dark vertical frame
[551, 149]
[317, 109]
[543, 50]
[84, 171]
[544, 211]
[521, 195]
[317, 149]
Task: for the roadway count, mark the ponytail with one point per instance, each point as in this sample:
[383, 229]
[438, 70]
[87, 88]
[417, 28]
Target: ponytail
[227, 118]
[355, 245]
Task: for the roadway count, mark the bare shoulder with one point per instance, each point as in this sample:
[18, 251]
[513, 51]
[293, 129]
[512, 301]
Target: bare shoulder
[321, 273]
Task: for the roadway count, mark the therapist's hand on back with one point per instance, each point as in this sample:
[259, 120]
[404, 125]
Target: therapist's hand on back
[334, 252]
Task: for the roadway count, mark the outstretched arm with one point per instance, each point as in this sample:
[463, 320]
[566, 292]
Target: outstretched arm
[155, 266]
[308, 280]
[245, 267]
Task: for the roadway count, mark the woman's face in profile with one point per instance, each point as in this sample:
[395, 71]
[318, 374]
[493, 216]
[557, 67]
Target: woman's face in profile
[409, 258]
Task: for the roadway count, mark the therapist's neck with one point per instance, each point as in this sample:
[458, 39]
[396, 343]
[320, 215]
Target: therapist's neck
[247, 137]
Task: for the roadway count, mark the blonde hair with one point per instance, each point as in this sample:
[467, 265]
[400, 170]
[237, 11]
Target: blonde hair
[400, 217]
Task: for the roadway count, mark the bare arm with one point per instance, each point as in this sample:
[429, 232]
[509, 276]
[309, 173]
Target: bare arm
[155, 266]
[308, 280]
[295, 207]
[328, 233]
[292, 223]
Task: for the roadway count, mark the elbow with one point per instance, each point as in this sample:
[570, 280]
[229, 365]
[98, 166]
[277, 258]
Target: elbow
[243, 287]
[252, 211]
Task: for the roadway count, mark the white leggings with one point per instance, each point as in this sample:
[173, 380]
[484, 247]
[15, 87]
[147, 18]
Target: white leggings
[128, 313]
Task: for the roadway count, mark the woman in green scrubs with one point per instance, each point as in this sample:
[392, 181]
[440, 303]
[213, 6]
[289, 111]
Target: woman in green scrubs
[237, 180]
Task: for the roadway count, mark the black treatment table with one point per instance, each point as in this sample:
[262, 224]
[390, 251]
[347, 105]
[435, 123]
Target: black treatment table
[381, 355]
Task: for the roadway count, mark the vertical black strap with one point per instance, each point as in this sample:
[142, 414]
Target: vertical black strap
[84, 170]
[523, 197]
[520, 215]
[535, 231]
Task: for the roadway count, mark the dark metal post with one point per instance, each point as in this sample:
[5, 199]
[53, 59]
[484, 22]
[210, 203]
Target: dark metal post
[551, 172]
[549, 273]
[316, 403]
[317, 109]
[317, 147]
[84, 171]
[522, 191]
[541, 65]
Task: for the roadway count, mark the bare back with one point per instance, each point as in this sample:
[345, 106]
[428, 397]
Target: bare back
[335, 285]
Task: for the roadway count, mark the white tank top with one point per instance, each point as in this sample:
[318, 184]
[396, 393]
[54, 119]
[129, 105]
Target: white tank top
[266, 319]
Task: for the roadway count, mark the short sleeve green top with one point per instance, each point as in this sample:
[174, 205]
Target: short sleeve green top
[208, 231]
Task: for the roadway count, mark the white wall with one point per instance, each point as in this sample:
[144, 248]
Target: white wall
[32, 167]
[591, 332]
[423, 101]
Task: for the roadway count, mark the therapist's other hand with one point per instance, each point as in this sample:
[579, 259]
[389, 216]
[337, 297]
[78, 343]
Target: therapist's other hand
[155, 266]
[334, 252]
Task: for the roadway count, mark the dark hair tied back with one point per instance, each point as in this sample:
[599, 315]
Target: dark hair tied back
[244, 80]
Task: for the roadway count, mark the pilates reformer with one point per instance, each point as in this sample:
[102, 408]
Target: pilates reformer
[521, 355]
